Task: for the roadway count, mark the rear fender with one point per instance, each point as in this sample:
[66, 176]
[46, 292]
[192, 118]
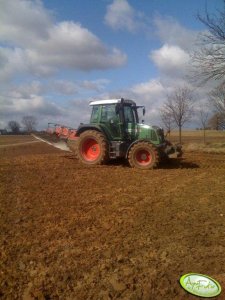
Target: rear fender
[85, 127]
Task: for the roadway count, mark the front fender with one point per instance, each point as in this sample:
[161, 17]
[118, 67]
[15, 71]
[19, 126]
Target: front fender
[133, 143]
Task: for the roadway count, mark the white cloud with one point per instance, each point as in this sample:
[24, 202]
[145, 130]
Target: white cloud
[148, 91]
[173, 57]
[121, 15]
[12, 62]
[26, 90]
[23, 22]
[33, 43]
[14, 108]
[151, 94]
[71, 46]
[34, 47]
[67, 87]
[34, 98]
[35, 105]
[169, 31]
[95, 85]
[170, 60]
[80, 111]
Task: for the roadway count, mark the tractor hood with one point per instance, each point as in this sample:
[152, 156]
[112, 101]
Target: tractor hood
[156, 135]
[148, 132]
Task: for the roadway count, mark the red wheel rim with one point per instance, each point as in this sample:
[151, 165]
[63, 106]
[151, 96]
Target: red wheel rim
[143, 157]
[90, 149]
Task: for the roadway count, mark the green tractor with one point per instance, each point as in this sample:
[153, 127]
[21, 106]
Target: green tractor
[114, 132]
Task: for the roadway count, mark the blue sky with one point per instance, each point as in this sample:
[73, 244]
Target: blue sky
[56, 56]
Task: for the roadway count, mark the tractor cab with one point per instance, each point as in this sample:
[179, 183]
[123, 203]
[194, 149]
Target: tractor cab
[119, 117]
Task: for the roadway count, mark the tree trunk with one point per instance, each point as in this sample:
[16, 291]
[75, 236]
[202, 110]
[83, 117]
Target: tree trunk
[204, 135]
[180, 134]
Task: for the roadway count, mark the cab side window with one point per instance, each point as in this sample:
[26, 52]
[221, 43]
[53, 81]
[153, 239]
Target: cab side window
[108, 113]
[95, 113]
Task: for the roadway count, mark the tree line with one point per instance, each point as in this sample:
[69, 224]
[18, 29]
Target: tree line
[179, 108]
[208, 63]
[29, 124]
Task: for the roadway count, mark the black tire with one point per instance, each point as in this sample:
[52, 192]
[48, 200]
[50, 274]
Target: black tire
[143, 155]
[92, 148]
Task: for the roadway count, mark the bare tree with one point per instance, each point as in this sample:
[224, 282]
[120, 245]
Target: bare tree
[29, 122]
[179, 105]
[203, 116]
[209, 59]
[167, 119]
[14, 126]
[216, 122]
[217, 99]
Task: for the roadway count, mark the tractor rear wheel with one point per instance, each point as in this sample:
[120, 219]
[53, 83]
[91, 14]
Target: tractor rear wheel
[143, 155]
[92, 148]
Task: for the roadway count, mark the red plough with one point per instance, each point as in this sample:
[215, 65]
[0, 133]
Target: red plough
[61, 131]
[59, 136]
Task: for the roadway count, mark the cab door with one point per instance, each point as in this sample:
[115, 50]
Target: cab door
[130, 122]
[111, 120]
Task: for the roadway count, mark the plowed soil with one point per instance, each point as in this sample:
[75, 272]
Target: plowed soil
[69, 231]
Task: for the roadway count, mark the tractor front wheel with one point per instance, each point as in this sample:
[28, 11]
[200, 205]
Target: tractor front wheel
[92, 148]
[143, 155]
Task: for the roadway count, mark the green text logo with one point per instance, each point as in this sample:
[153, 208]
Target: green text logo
[200, 285]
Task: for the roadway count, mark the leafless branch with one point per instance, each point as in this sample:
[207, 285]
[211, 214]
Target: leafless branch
[29, 122]
[179, 107]
[209, 59]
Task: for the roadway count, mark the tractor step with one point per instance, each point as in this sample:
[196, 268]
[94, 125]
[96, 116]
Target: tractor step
[114, 149]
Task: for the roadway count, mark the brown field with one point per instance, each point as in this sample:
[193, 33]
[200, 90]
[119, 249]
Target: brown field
[14, 139]
[196, 136]
[70, 231]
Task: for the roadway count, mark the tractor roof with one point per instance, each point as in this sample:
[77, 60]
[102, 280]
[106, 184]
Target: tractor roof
[112, 101]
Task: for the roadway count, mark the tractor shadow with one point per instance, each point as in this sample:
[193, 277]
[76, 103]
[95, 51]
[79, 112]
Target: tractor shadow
[170, 164]
[70, 156]
[178, 164]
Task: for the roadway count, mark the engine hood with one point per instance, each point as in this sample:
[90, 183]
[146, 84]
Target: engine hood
[153, 133]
